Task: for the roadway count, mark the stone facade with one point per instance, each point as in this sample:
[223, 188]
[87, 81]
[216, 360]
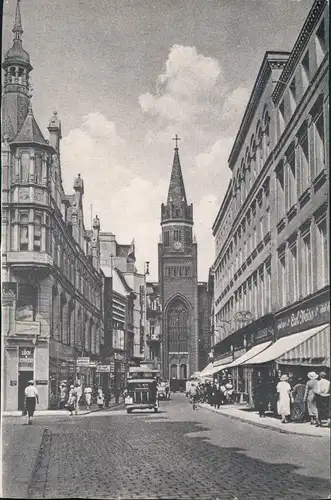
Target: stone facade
[178, 283]
[272, 230]
[50, 262]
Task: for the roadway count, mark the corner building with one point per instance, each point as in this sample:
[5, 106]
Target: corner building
[51, 280]
[272, 230]
[178, 283]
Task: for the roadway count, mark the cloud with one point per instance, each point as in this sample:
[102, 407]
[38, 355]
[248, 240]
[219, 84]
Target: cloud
[234, 107]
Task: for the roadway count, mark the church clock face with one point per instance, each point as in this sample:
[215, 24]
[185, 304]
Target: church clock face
[177, 245]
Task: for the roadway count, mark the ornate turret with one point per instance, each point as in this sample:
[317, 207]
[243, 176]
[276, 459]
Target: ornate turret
[17, 68]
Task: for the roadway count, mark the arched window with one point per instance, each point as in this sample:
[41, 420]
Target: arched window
[24, 232]
[24, 168]
[183, 371]
[173, 371]
[178, 327]
[38, 169]
[37, 233]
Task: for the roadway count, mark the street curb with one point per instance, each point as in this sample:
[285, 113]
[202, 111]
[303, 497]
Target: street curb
[263, 426]
[62, 413]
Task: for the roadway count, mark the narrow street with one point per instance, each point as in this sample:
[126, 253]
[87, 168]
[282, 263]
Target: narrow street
[175, 454]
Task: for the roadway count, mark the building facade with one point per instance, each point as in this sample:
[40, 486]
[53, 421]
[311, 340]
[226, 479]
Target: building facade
[178, 282]
[154, 324]
[51, 280]
[272, 230]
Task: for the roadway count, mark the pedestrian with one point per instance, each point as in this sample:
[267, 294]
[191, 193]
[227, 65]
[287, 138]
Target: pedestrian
[31, 398]
[229, 390]
[310, 396]
[79, 392]
[117, 395]
[223, 391]
[323, 399]
[261, 396]
[284, 398]
[63, 394]
[88, 396]
[100, 398]
[299, 405]
[107, 397]
[71, 405]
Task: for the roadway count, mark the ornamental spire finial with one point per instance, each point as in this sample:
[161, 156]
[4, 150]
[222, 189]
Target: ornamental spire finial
[17, 29]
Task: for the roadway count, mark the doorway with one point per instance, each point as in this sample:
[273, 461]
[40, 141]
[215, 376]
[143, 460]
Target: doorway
[23, 379]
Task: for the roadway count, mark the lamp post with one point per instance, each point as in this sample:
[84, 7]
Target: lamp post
[146, 273]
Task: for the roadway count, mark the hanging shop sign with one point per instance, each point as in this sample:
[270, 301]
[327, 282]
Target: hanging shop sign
[83, 361]
[25, 357]
[303, 318]
[103, 368]
[92, 364]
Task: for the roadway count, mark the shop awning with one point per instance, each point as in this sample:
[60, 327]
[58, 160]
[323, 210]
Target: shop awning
[216, 367]
[206, 370]
[254, 351]
[314, 351]
[283, 346]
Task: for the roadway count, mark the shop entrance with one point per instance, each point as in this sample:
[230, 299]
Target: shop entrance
[23, 379]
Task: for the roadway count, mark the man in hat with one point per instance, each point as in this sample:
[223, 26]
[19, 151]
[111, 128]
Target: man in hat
[323, 399]
[31, 398]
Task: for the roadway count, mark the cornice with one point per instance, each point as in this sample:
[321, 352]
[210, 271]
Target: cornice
[300, 44]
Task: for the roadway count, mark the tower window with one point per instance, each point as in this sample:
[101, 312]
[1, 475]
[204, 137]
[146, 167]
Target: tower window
[38, 170]
[37, 233]
[177, 235]
[25, 168]
[166, 238]
[24, 232]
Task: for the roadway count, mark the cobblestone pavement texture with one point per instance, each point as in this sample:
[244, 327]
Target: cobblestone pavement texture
[177, 453]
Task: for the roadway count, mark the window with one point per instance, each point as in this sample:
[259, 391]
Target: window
[305, 71]
[62, 319]
[306, 274]
[55, 314]
[26, 302]
[282, 295]
[37, 233]
[38, 170]
[303, 177]
[322, 254]
[291, 188]
[254, 295]
[173, 371]
[281, 118]
[24, 168]
[177, 235]
[261, 301]
[293, 273]
[24, 232]
[320, 43]
[293, 95]
[183, 372]
[319, 140]
[268, 287]
[166, 238]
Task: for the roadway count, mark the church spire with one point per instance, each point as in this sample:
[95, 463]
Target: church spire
[17, 29]
[176, 192]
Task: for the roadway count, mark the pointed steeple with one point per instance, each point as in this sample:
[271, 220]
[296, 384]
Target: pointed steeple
[30, 131]
[176, 192]
[18, 30]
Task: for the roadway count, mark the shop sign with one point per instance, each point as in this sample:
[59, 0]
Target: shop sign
[309, 317]
[13, 383]
[92, 364]
[103, 368]
[31, 328]
[25, 357]
[263, 333]
[41, 382]
[83, 361]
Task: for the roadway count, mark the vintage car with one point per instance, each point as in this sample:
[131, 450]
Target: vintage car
[141, 394]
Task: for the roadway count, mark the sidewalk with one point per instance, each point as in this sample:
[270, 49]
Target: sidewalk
[250, 417]
[60, 413]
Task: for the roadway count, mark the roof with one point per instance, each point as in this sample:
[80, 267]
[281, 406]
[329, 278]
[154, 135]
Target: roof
[176, 192]
[30, 131]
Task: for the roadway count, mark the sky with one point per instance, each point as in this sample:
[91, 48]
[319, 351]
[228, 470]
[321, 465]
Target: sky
[125, 76]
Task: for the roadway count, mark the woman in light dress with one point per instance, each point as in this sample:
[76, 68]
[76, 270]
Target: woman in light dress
[88, 396]
[100, 398]
[284, 398]
[310, 396]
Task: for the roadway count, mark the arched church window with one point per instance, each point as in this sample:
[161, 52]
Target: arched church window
[38, 169]
[178, 327]
[24, 232]
[183, 371]
[173, 371]
[24, 168]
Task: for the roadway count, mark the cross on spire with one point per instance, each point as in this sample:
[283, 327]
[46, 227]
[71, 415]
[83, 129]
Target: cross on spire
[176, 138]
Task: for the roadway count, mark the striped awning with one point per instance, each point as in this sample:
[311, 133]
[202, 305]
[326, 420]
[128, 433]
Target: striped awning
[254, 351]
[205, 372]
[314, 351]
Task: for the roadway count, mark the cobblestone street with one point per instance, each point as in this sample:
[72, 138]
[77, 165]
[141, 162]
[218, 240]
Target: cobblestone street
[175, 454]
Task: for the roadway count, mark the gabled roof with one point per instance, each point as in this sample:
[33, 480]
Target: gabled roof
[30, 131]
[176, 192]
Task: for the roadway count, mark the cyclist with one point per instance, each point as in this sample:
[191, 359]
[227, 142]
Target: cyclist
[194, 395]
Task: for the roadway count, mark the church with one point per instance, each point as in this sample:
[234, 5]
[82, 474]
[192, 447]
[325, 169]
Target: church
[183, 328]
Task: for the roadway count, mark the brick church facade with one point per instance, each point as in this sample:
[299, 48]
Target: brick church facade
[178, 282]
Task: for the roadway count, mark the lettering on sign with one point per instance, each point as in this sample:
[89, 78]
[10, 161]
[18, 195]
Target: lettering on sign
[103, 368]
[13, 383]
[41, 382]
[303, 316]
[30, 328]
[83, 361]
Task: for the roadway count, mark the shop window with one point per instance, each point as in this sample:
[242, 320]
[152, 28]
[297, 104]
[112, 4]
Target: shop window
[24, 168]
[322, 254]
[38, 170]
[26, 302]
[37, 233]
[166, 238]
[24, 232]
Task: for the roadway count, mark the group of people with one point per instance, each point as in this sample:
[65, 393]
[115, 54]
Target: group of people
[296, 398]
[72, 397]
[215, 394]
